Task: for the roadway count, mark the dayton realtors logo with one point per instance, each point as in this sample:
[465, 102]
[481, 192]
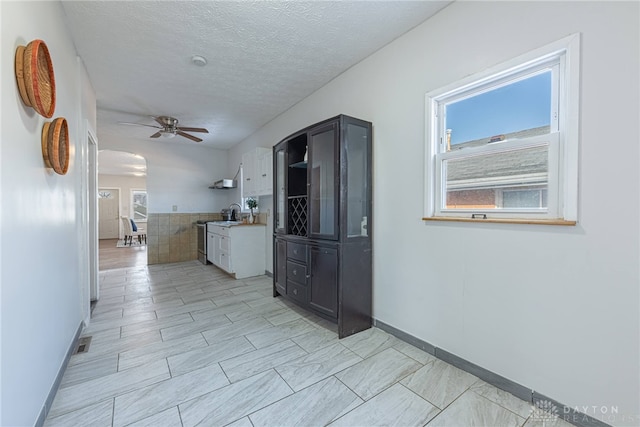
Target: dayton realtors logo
[544, 411]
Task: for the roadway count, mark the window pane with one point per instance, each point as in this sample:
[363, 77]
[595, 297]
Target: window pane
[139, 205]
[531, 198]
[516, 110]
[481, 181]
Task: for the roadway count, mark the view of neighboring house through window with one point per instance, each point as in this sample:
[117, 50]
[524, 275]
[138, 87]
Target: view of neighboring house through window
[499, 144]
[139, 204]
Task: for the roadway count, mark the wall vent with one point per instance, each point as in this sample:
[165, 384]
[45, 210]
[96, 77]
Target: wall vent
[83, 345]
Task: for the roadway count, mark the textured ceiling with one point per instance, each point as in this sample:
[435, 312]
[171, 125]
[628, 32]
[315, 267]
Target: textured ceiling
[263, 57]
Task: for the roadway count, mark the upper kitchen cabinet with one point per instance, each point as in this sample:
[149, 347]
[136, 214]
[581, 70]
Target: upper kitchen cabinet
[323, 204]
[265, 173]
[257, 172]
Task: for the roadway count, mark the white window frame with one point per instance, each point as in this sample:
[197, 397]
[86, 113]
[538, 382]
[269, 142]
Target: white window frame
[562, 140]
[133, 213]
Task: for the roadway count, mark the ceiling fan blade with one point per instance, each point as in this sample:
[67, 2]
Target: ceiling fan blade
[203, 130]
[159, 120]
[191, 137]
[139, 124]
[155, 135]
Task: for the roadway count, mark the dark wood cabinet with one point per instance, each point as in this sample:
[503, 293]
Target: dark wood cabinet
[322, 221]
[323, 182]
[323, 281]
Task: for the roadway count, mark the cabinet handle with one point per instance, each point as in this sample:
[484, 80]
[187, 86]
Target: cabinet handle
[248, 179]
[295, 272]
[264, 174]
[295, 292]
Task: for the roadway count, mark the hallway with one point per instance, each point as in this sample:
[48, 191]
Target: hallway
[184, 344]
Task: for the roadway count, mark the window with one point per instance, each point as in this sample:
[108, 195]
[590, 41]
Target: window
[503, 144]
[139, 203]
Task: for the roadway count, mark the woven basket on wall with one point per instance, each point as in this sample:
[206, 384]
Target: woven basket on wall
[34, 75]
[55, 145]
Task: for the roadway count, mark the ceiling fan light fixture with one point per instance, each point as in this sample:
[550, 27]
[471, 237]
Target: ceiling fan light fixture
[199, 60]
[169, 128]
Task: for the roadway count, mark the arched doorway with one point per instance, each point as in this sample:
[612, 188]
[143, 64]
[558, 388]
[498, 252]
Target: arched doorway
[122, 192]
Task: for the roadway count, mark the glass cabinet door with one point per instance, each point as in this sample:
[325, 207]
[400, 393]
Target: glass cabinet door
[323, 179]
[356, 152]
[279, 188]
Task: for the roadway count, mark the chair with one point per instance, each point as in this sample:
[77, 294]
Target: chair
[129, 233]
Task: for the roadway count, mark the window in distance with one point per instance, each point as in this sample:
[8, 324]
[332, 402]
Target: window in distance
[495, 143]
[139, 205]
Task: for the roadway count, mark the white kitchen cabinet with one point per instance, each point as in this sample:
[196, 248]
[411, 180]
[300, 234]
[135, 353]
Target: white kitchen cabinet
[265, 173]
[211, 247]
[256, 172]
[249, 174]
[237, 249]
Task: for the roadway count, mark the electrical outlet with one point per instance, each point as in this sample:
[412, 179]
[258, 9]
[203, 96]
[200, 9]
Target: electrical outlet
[174, 208]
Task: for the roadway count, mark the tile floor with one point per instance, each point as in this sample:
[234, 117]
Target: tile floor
[184, 345]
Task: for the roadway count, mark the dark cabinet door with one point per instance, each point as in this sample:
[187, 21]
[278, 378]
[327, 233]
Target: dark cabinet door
[356, 180]
[323, 181]
[323, 285]
[279, 185]
[281, 266]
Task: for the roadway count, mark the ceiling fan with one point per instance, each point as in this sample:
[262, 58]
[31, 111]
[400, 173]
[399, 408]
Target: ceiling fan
[169, 128]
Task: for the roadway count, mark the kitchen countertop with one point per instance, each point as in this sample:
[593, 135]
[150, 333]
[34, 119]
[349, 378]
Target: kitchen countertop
[233, 223]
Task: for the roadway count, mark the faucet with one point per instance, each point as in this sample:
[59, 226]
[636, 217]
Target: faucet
[233, 211]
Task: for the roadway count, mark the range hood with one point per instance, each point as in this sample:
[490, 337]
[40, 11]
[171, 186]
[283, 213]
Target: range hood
[225, 183]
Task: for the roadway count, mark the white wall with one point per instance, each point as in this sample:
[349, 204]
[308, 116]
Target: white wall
[552, 308]
[125, 184]
[43, 265]
[180, 174]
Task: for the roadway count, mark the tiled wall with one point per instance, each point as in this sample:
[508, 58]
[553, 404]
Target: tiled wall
[173, 237]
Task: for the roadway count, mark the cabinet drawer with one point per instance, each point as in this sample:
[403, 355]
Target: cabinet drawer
[296, 291]
[225, 262]
[297, 272]
[224, 243]
[218, 229]
[297, 251]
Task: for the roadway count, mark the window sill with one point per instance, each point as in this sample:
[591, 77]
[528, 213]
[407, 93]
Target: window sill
[503, 220]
